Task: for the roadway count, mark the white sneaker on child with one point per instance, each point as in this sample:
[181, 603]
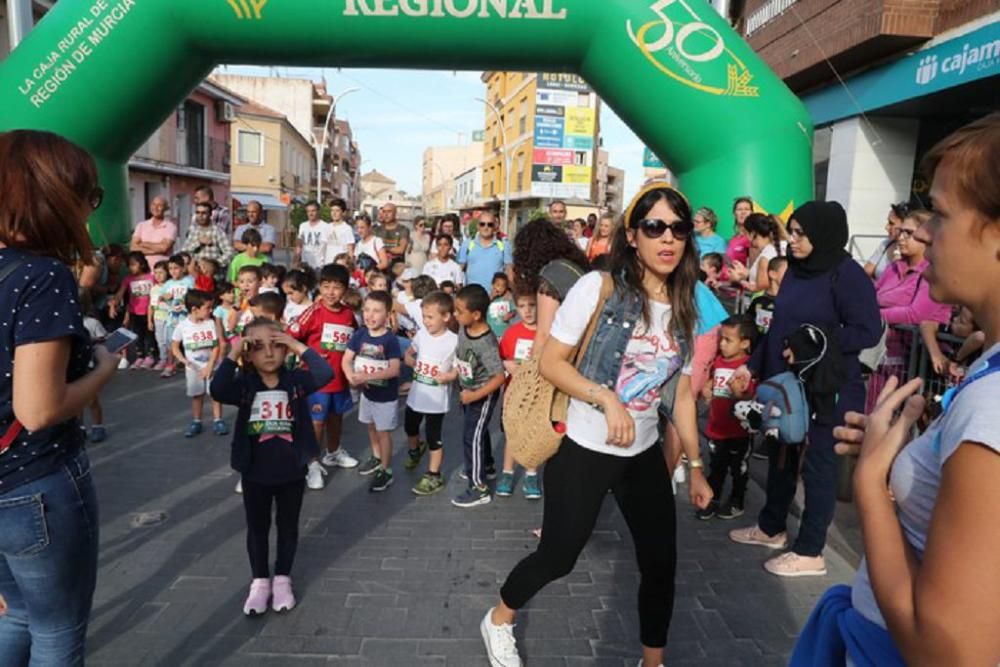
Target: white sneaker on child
[501, 647]
[340, 458]
[314, 478]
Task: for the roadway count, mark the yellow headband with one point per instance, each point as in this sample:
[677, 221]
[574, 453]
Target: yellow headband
[646, 189]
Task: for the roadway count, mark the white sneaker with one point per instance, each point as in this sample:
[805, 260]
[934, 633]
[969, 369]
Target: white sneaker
[501, 647]
[680, 475]
[340, 458]
[239, 486]
[314, 478]
[123, 364]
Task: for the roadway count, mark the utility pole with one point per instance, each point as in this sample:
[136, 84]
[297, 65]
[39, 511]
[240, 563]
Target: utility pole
[506, 162]
[320, 146]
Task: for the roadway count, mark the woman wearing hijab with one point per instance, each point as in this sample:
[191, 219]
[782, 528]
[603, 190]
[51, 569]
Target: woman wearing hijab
[826, 288]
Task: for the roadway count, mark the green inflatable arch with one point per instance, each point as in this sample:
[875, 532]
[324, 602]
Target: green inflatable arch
[106, 73]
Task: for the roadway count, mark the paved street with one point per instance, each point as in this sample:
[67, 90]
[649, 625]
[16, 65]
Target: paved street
[388, 579]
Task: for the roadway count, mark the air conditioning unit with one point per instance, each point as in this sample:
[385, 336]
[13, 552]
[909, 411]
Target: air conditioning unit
[225, 112]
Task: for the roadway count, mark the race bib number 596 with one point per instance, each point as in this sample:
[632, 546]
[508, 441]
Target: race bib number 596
[335, 337]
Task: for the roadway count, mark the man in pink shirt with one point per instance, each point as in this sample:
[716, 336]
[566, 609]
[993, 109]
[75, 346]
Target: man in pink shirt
[155, 237]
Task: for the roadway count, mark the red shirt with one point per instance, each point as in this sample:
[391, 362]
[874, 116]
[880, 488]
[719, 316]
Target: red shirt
[328, 332]
[516, 344]
[722, 425]
[204, 283]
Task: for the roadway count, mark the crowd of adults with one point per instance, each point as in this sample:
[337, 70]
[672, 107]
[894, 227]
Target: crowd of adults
[925, 593]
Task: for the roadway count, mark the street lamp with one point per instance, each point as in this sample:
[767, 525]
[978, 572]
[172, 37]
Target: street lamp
[506, 161]
[321, 146]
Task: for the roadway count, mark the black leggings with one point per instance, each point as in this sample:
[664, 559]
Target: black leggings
[576, 483]
[257, 501]
[145, 344]
[411, 424]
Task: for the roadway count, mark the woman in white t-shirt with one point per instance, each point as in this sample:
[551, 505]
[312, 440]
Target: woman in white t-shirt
[612, 426]
[768, 240]
[928, 590]
[370, 250]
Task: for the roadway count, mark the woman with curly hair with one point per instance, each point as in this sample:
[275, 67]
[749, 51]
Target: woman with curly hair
[633, 369]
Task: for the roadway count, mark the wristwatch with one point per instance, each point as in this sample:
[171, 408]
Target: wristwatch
[696, 463]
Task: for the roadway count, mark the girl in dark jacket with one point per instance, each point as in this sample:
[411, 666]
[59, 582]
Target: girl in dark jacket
[272, 447]
[824, 287]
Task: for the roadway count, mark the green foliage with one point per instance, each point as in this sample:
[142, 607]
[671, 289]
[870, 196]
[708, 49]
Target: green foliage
[297, 215]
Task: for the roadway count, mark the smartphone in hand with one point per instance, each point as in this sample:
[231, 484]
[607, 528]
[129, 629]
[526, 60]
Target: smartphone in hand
[119, 340]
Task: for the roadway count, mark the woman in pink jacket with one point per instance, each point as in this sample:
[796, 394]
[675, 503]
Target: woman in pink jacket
[904, 298]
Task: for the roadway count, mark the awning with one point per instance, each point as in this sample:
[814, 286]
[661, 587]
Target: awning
[269, 202]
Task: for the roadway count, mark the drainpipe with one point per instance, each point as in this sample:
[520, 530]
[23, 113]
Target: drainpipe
[20, 21]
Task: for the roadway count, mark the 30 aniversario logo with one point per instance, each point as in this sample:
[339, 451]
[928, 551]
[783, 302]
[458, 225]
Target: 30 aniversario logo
[687, 49]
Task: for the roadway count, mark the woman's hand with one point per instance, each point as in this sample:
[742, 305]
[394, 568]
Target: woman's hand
[877, 438]
[699, 490]
[621, 426]
[738, 272]
[105, 361]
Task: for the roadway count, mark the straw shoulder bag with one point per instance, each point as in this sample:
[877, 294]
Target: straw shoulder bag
[533, 406]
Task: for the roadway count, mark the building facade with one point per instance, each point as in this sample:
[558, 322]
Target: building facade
[378, 189]
[272, 162]
[551, 123]
[912, 72]
[469, 190]
[189, 150]
[441, 167]
[345, 165]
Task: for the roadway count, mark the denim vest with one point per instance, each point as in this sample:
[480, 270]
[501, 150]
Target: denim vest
[602, 360]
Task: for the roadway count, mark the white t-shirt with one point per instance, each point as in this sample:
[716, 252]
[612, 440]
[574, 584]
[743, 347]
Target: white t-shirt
[341, 236]
[372, 247]
[916, 474]
[415, 312]
[583, 242]
[435, 355]
[648, 361]
[442, 271]
[766, 255]
[314, 239]
[293, 311]
[198, 339]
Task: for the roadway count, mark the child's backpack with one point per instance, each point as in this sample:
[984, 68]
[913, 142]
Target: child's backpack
[785, 407]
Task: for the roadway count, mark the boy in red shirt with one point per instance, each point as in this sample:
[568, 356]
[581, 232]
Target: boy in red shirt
[515, 347]
[729, 443]
[327, 326]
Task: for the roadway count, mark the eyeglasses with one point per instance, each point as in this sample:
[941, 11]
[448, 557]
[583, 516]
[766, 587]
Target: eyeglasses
[491, 225]
[797, 233]
[653, 228]
[96, 197]
[909, 234]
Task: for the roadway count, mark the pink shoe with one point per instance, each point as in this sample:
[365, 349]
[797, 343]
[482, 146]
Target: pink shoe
[754, 535]
[260, 591]
[136, 365]
[791, 564]
[283, 598]
[160, 365]
[148, 363]
[168, 372]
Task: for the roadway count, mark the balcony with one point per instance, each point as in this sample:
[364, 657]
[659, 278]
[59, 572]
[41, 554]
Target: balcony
[218, 155]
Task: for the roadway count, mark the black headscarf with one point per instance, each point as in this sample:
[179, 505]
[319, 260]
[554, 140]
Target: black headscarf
[825, 223]
[820, 366]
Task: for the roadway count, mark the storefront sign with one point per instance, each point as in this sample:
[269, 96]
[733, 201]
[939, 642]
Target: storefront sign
[565, 124]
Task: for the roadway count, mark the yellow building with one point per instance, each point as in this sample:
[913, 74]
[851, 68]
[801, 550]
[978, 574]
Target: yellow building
[271, 162]
[551, 122]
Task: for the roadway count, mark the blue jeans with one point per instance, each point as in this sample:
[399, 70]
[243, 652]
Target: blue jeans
[48, 567]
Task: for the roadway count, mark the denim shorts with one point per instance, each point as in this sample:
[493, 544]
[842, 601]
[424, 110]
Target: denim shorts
[323, 404]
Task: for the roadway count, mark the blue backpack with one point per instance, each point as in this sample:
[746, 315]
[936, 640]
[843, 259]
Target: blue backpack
[785, 407]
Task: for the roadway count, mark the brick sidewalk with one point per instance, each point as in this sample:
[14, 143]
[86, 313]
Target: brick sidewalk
[390, 579]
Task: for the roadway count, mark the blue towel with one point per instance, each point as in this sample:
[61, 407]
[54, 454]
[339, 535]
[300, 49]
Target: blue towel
[835, 630]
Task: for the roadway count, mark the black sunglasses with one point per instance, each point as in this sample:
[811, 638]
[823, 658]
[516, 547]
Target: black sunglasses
[491, 225]
[654, 228]
[96, 197]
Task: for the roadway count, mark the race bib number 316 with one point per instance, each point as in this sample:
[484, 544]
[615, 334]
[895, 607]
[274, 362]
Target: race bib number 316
[271, 414]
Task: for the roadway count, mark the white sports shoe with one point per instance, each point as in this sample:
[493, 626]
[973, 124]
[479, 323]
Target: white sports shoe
[314, 478]
[340, 458]
[501, 647]
[239, 486]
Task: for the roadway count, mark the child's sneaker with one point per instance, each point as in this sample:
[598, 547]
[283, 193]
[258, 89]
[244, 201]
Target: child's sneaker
[123, 364]
[193, 429]
[168, 371]
[707, 513]
[505, 487]
[282, 597]
[239, 487]
[98, 434]
[136, 365]
[531, 488]
[382, 481]
[730, 510]
[414, 456]
[219, 427]
[160, 365]
[148, 363]
[428, 485]
[490, 474]
[260, 592]
[340, 458]
[757, 537]
[472, 496]
[370, 466]
[314, 478]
